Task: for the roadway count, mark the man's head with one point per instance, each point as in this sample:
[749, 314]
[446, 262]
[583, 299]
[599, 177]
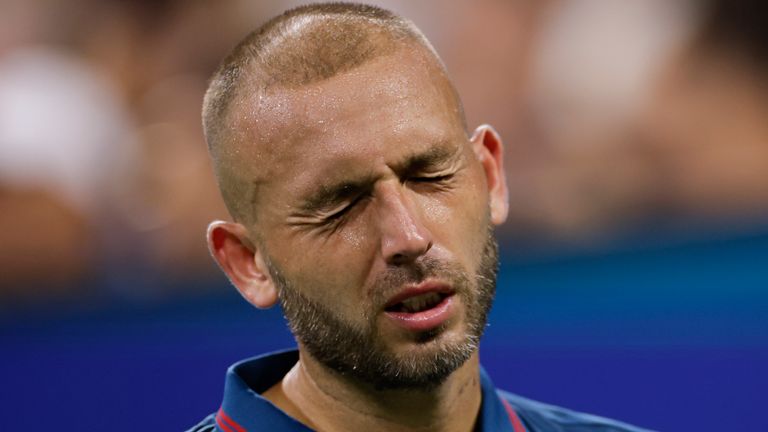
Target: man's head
[359, 200]
[302, 46]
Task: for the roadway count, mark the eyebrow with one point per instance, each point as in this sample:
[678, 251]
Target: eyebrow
[328, 195]
[418, 162]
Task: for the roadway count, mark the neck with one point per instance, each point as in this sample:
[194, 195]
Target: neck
[326, 401]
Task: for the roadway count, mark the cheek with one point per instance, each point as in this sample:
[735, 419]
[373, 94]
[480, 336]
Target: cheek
[459, 219]
[330, 267]
[356, 238]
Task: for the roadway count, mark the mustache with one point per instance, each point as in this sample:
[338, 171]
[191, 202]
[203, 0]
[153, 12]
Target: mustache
[394, 279]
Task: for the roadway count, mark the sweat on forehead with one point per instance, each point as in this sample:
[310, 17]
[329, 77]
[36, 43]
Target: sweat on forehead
[303, 46]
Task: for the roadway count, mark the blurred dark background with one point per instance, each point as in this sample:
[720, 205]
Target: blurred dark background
[634, 281]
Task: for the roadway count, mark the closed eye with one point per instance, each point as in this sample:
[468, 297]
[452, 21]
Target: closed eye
[339, 213]
[431, 179]
[343, 211]
[431, 184]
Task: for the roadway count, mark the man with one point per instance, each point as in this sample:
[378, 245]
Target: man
[361, 204]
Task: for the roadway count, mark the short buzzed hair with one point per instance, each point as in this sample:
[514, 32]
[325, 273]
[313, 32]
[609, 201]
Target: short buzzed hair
[301, 46]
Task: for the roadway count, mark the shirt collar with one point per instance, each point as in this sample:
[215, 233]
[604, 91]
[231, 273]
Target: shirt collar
[495, 413]
[244, 409]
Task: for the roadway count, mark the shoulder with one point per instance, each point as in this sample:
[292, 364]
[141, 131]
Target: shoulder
[207, 425]
[544, 417]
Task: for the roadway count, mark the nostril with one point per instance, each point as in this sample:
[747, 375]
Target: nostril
[399, 259]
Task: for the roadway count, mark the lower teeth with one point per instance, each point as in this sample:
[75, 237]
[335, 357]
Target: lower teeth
[430, 305]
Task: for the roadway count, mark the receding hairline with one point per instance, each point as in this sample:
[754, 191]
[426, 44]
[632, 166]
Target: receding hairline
[277, 53]
[300, 47]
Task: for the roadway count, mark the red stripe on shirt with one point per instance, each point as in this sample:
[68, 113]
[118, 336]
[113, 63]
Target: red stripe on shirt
[221, 424]
[517, 425]
[226, 422]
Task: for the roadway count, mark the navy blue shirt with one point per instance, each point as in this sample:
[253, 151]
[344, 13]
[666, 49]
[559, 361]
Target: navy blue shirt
[244, 409]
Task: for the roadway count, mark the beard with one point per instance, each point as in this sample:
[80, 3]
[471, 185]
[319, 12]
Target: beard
[361, 354]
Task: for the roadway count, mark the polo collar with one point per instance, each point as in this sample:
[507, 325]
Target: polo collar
[245, 410]
[496, 414]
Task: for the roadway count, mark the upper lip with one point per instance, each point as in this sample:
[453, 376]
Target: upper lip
[415, 290]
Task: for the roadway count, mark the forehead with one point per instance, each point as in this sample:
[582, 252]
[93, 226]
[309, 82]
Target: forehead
[373, 114]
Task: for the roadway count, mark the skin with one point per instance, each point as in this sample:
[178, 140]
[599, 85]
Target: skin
[362, 127]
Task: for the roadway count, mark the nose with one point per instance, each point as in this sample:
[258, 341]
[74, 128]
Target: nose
[404, 237]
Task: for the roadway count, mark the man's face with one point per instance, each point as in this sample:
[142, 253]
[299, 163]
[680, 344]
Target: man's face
[373, 219]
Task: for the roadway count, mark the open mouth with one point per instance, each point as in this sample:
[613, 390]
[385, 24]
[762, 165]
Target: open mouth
[422, 307]
[418, 303]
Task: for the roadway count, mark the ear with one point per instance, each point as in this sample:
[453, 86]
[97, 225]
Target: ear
[242, 262]
[489, 150]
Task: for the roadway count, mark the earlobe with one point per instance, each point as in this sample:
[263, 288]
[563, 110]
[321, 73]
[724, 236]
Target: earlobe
[242, 262]
[489, 150]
